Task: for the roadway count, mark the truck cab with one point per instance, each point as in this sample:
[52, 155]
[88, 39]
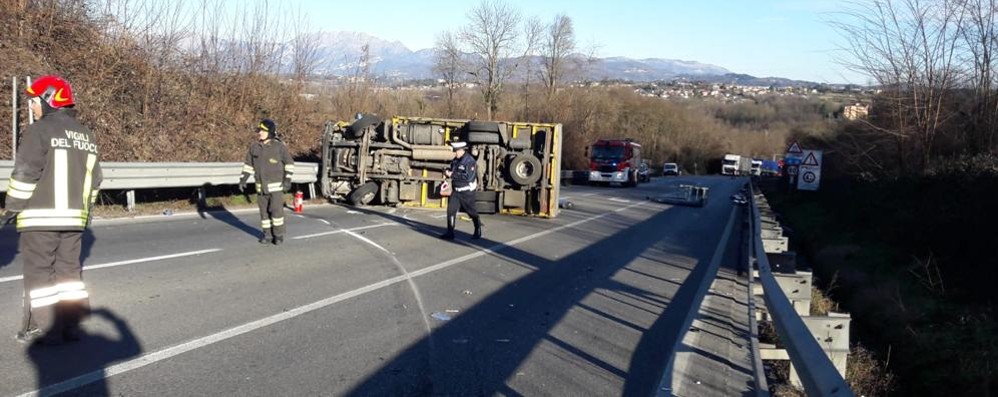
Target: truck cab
[615, 161]
[731, 165]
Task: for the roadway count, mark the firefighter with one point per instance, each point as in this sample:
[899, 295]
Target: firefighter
[271, 164]
[52, 189]
[464, 178]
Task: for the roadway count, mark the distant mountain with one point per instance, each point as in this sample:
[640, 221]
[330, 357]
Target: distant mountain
[340, 54]
[747, 80]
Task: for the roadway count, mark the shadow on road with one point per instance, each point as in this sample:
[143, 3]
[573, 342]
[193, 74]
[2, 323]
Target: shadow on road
[222, 214]
[83, 364]
[493, 339]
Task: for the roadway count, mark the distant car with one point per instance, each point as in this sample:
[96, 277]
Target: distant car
[644, 173]
[671, 169]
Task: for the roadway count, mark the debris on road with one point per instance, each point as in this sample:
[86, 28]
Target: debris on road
[168, 212]
[467, 292]
[440, 316]
[564, 203]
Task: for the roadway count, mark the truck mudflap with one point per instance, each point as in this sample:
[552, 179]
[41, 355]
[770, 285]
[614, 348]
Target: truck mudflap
[402, 159]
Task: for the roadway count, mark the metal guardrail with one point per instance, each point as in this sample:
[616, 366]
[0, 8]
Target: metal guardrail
[817, 373]
[130, 176]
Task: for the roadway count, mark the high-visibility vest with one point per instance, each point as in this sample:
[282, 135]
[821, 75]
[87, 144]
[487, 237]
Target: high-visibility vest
[56, 175]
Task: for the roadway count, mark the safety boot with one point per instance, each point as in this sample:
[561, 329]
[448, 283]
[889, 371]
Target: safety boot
[278, 240]
[478, 229]
[450, 229]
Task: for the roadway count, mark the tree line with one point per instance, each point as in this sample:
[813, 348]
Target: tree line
[186, 80]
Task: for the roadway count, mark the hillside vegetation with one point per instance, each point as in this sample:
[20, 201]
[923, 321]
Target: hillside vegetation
[158, 81]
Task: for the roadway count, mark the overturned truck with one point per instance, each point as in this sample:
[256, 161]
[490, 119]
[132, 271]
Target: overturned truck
[401, 161]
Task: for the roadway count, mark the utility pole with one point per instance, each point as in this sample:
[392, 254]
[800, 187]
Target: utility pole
[31, 113]
[13, 119]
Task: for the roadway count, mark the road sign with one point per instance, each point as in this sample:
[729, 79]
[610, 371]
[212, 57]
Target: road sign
[810, 170]
[792, 170]
[794, 149]
[810, 159]
[809, 177]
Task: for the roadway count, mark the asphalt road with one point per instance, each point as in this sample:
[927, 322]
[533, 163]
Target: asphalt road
[371, 302]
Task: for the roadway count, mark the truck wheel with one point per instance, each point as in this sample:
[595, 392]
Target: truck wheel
[483, 137]
[483, 126]
[364, 194]
[485, 207]
[525, 169]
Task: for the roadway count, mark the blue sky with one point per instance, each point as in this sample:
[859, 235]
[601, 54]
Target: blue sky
[785, 38]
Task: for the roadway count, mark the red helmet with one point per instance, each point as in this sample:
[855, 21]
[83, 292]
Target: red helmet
[54, 90]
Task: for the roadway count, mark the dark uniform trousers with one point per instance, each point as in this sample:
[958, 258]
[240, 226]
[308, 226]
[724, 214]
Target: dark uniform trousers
[55, 298]
[461, 201]
[272, 214]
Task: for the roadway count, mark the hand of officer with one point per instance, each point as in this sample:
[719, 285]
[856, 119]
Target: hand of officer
[242, 184]
[287, 185]
[448, 173]
[7, 217]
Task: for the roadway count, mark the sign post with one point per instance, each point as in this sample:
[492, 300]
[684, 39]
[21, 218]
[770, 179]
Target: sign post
[792, 161]
[810, 171]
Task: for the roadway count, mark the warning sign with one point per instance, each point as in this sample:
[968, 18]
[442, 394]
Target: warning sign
[810, 159]
[810, 170]
[794, 149]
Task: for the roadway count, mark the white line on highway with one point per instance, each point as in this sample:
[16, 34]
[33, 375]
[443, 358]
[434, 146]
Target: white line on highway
[130, 262]
[338, 231]
[619, 200]
[169, 352]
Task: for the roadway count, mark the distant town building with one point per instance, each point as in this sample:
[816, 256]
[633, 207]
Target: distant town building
[856, 112]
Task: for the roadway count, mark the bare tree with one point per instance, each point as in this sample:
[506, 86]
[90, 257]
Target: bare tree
[910, 48]
[492, 36]
[559, 43]
[449, 65]
[980, 38]
[532, 31]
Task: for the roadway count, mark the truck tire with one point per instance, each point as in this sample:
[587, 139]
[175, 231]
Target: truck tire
[364, 194]
[483, 126]
[483, 137]
[485, 207]
[487, 195]
[525, 169]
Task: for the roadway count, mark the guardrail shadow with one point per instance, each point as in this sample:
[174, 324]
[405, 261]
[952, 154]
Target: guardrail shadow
[542, 298]
[84, 363]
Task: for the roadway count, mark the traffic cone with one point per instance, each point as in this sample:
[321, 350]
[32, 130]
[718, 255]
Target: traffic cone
[299, 201]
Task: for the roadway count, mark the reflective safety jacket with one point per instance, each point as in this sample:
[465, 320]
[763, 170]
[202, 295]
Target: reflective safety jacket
[56, 175]
[270, 164]
[464, 173]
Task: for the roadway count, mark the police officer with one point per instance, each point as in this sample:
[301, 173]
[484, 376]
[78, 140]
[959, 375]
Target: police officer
[464, 177]
[270, 162]
[52, 189]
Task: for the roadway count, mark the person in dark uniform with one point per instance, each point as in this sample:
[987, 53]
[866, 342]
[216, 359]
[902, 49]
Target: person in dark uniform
[464, 178]
[52, 189]
[270, 162]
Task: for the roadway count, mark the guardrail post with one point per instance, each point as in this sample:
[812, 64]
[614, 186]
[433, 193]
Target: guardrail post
[311, 191]
[130, 200]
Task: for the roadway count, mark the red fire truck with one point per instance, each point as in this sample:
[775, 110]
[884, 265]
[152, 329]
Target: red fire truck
[614, 161]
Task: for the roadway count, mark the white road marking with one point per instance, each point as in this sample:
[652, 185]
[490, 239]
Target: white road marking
[338, 231]
[587, 194]
[169, 352]
[326, 222]
[619, 200]
[130, 262]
